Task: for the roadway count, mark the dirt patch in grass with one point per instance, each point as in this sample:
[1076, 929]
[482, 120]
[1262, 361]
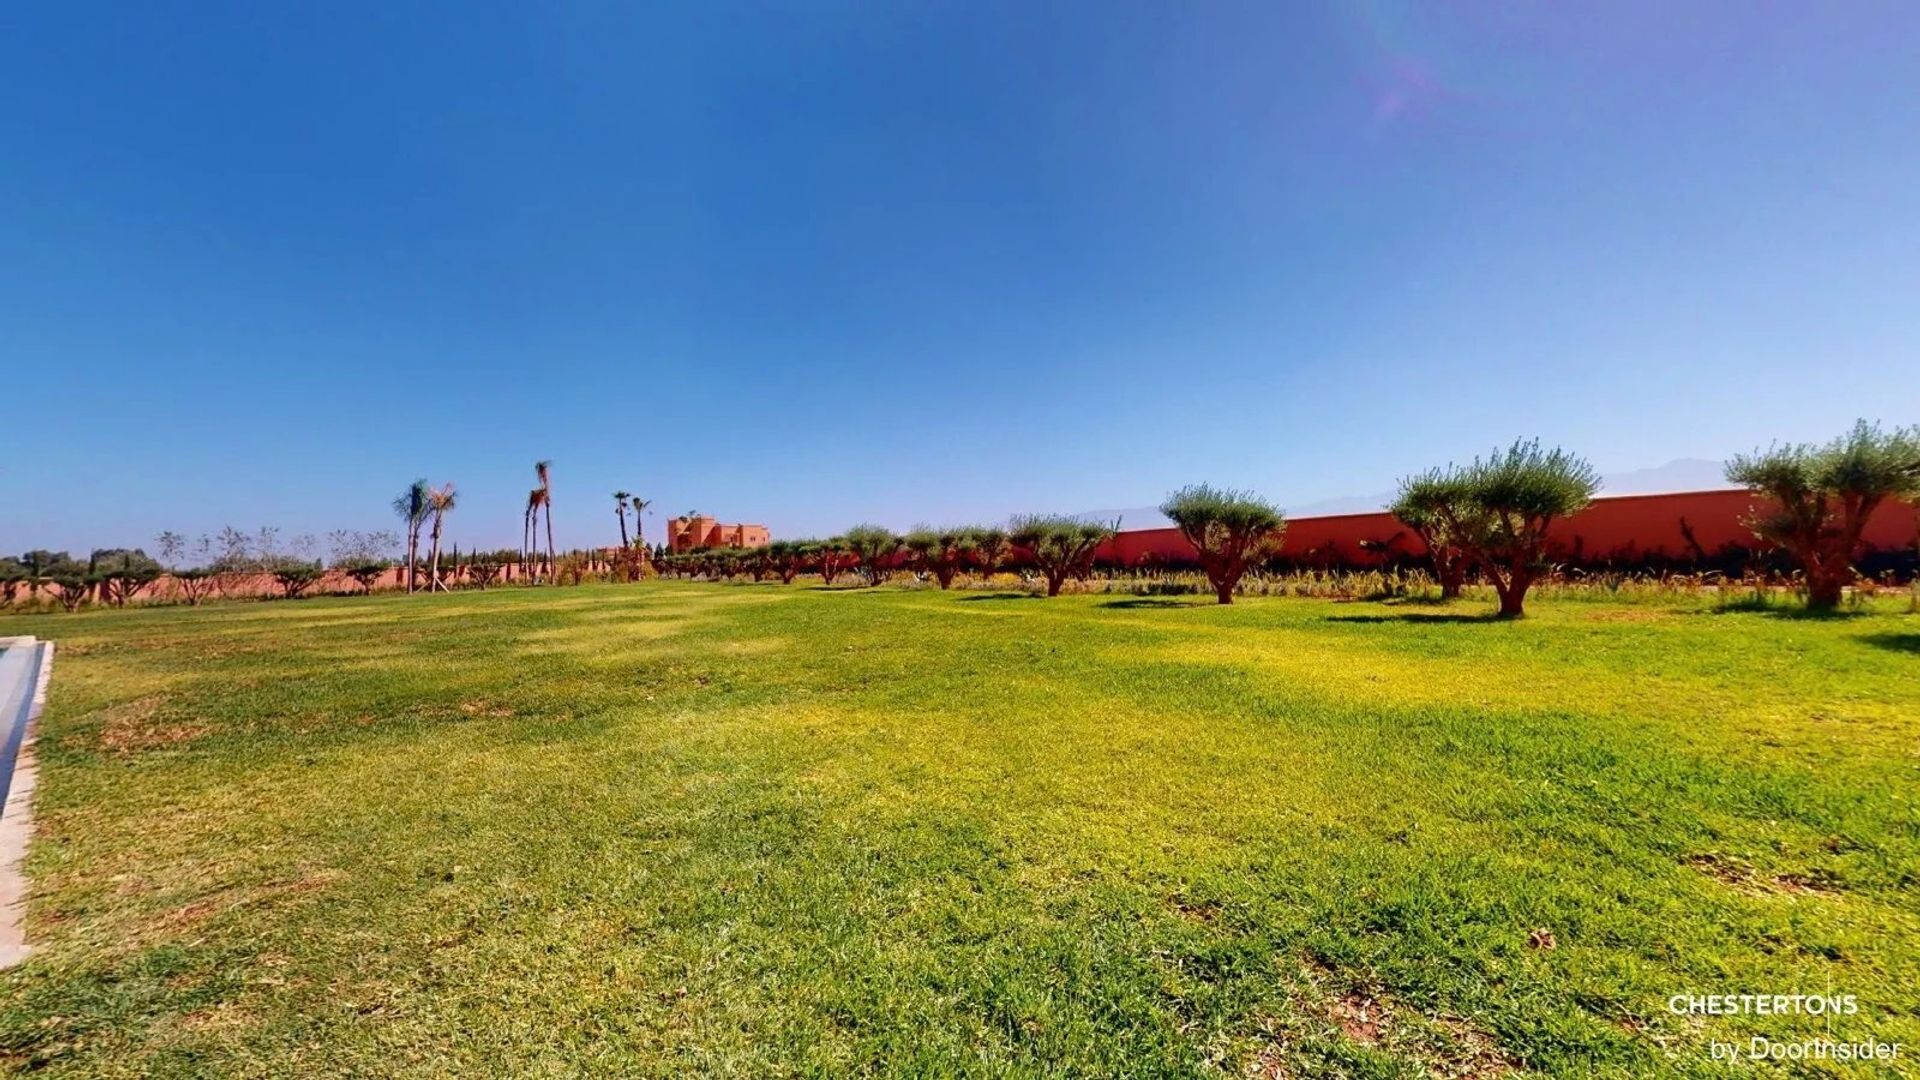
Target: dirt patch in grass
[138, 725]
[1813, 883]
[225, 1016]
[1625, 615]
[1472, 1055]
[1445, 1046]
[1360, 1018]
[1741, 877]
[1192, 910]
[237, 897]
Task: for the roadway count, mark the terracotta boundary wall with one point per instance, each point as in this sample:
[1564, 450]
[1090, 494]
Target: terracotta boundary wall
[1621, 528]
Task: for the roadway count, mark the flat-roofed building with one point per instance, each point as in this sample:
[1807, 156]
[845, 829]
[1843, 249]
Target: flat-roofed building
[702, 531]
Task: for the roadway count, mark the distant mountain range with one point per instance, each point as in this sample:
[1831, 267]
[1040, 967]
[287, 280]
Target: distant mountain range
[1684, 474]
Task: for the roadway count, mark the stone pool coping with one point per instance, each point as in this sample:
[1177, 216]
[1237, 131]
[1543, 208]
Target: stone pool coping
[26, 665]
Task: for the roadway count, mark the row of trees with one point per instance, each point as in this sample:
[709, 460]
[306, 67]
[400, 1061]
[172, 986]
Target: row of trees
[197, 568]
[1060, 549]
[1490, 518]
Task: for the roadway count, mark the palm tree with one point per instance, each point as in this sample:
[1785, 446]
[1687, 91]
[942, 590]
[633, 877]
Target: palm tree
[535, 565]
[439, 501]
[412, 506]
[544, 470]
[527, 548]
[620, 507]
[639, 528]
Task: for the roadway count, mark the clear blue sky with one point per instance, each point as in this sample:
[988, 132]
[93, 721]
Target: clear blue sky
[816, 263]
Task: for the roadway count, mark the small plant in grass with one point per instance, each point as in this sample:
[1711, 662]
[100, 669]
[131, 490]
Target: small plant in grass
[940, 552]
[1498, 511]
[1062, 548]
[1823, 496]
[1421, 506]
[875, 547]
[1231, 530]
[990, 548]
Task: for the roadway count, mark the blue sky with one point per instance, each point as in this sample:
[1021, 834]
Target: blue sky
[818, 263]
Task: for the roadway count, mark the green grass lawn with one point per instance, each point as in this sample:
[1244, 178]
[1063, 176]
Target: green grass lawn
[688, 829]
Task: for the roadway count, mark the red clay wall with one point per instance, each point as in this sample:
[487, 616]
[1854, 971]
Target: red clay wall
[1623, 527]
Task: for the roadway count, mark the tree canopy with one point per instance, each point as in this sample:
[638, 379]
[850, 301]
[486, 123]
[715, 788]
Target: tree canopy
[1498, 509]
[1229, 529]
[1822, 496]
[1062, 547]
[875, 547]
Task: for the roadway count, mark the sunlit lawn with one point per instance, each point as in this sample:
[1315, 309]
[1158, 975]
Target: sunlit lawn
[688, 829]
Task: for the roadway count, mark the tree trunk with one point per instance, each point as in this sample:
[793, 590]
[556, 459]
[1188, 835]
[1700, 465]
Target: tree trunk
[1825, 590]
[1224, 590]
[1512, 590]
[413, 553]
[552, 562]
[433, 578]
[623, 531]
[1054, 581]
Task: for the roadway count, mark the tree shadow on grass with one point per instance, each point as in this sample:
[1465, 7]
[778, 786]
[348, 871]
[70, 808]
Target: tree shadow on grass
[1149, 602]
[1800, 613]
[1418, 617]
[999, 596]
[1906, 643]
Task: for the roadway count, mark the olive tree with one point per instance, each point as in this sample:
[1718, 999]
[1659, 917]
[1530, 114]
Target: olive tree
[12, 575]
[1061, 547]
[990, 549]
[1232, 530]
[1498, 511]
[786, 557]
[1823, 495]
[875, 547]
[122, 573]
[1421, 507]
[74, 579]
[295, 576]
[940, 552]
[832, 558]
